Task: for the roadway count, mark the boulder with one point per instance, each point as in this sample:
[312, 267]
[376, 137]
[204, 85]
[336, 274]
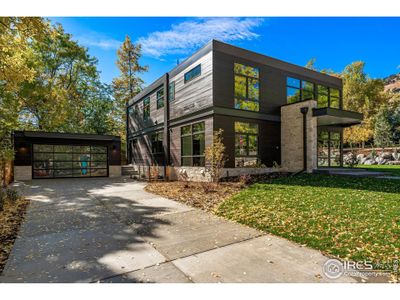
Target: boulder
[386, 155]
[380, 161]
[360, 157]
[369, 162]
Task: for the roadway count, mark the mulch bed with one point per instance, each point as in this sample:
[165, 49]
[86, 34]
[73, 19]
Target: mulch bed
[205, 196]
[10, 221]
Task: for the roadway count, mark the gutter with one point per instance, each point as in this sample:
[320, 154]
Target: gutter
[304, 111]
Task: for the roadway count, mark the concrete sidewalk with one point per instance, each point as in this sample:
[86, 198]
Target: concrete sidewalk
[111, 230]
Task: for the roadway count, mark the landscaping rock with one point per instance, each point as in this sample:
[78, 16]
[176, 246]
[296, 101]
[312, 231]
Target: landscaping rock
[386, 155]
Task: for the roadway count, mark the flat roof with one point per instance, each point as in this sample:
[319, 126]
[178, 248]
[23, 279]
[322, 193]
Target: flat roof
[215, 45]
[65, 135]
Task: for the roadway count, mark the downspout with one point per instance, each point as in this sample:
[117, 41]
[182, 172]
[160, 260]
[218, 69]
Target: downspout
[304, 111]
[166, 126]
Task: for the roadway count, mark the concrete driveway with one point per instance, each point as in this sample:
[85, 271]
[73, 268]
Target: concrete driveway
[111, 230]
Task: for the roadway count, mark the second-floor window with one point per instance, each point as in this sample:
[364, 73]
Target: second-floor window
[146, 108]
[299, 90]
[160, 98]
[193, 73]
[247, 87]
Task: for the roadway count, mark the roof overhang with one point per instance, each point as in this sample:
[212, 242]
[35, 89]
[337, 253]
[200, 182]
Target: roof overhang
[69, 136]
[336, 117]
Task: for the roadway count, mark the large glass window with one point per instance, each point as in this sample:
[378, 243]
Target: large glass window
[157, 143]
[328, 97]
[193, 73]
[69, 161]
[146, 108]
[171, 91]
[299, 90]
[193, 144]
[160, 98]
[246, 144]
[329, 149]
[247, 87]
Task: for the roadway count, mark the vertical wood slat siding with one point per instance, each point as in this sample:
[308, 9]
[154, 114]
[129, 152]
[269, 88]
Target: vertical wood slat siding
[195, 94]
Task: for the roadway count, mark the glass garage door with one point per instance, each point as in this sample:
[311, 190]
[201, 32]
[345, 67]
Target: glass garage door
[52, 161]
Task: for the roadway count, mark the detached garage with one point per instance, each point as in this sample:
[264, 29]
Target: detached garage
[65, 155]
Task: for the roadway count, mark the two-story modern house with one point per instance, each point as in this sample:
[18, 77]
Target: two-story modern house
[272, 113]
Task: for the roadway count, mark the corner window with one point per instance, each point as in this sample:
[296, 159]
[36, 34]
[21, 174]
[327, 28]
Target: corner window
[328, 97]
[246, 144]
[160, 98]
[247, 87]
[193, 145]
[299, 90]
[146, 108]
[171, 91]
[193, 73]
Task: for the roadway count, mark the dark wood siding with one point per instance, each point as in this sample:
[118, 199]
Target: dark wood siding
[268, 144]
[196, 94]
[272, 81]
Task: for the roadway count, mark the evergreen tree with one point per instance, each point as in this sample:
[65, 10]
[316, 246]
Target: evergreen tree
[383, 136]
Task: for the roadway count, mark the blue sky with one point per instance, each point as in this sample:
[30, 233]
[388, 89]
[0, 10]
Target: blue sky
[334, 42]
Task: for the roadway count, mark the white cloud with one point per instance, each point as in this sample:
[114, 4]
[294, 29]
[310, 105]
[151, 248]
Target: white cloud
[187, 36]
[103, 43]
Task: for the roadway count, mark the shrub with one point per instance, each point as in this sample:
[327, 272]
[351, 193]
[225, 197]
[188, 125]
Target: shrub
[208, 187]
[12, 195]
[245, 179]
[2, 198]
[215, 156]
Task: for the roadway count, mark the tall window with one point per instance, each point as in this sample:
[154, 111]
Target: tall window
[157, 143]
[299, 90]
[193, 73]
[172, 91]
[246, 144]
[247, 87]
[328, 97]
[193, 144]
[160, 98]
[146, 108]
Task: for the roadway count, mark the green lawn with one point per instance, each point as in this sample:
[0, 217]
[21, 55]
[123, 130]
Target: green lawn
[391, 170]
[352, 218]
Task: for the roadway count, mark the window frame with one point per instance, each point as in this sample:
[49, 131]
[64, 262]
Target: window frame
[146, 108]
[160, 99]
[157, 137]
[329, 96]
[247, 134]
[300, 88]
[191, 134]
[193, 70]
[247, 79]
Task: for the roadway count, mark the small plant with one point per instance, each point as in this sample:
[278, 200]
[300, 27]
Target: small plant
[184, 177]
[245, 179]
[12, 195]
[153, 172]
[351, 159]
[373, 153]
[208, 187]
[275, 165]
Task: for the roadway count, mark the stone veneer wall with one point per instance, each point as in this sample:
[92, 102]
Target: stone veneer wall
[292, 137]
[114, 171]
[22, 173]
[200, 174]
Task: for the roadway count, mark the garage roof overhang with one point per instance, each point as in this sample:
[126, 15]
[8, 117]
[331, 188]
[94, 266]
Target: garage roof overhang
[336, 117]
[66, 136]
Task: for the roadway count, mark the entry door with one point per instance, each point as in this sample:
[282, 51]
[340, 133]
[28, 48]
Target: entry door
[57, 161]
